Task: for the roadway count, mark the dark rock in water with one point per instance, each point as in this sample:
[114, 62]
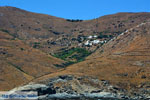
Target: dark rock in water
[96, 91]
[40, 89]
[44, 91]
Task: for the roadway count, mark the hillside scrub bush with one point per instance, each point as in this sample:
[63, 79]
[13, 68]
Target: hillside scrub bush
[74, 53]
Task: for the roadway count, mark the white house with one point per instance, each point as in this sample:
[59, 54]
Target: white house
[87, 43]
[95, 36]
[96, 41]
[90, 37]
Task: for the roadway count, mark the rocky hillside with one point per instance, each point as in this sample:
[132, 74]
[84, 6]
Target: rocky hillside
[56, 36]
[122, 63]
[37, 48]
[19, 63]
[52, 34]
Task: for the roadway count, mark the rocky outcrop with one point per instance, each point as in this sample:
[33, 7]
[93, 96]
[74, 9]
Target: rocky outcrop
[84, 88]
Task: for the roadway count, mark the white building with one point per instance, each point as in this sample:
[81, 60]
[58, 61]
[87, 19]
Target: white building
[96, 41]
[87, 43]
[95, 36]
[90, 37]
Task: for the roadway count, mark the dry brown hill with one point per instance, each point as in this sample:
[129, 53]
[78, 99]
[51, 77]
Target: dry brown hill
[27, 39]
[19, 63]
[123, 61]
[53, 33]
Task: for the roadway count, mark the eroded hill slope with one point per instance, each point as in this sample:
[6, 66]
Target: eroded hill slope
[28, 40]
[20, 63]
[124, 62]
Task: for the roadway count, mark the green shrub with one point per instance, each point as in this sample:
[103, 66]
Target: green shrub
[36, 45]
[21, 49]
[3, 30]
[78, 54]
[104, 36]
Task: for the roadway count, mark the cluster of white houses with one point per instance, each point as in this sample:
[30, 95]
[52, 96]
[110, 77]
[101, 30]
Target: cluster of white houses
[90, 37]
[94, 42]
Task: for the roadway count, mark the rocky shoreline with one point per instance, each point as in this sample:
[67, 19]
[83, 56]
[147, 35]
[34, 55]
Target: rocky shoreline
[68, 87]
